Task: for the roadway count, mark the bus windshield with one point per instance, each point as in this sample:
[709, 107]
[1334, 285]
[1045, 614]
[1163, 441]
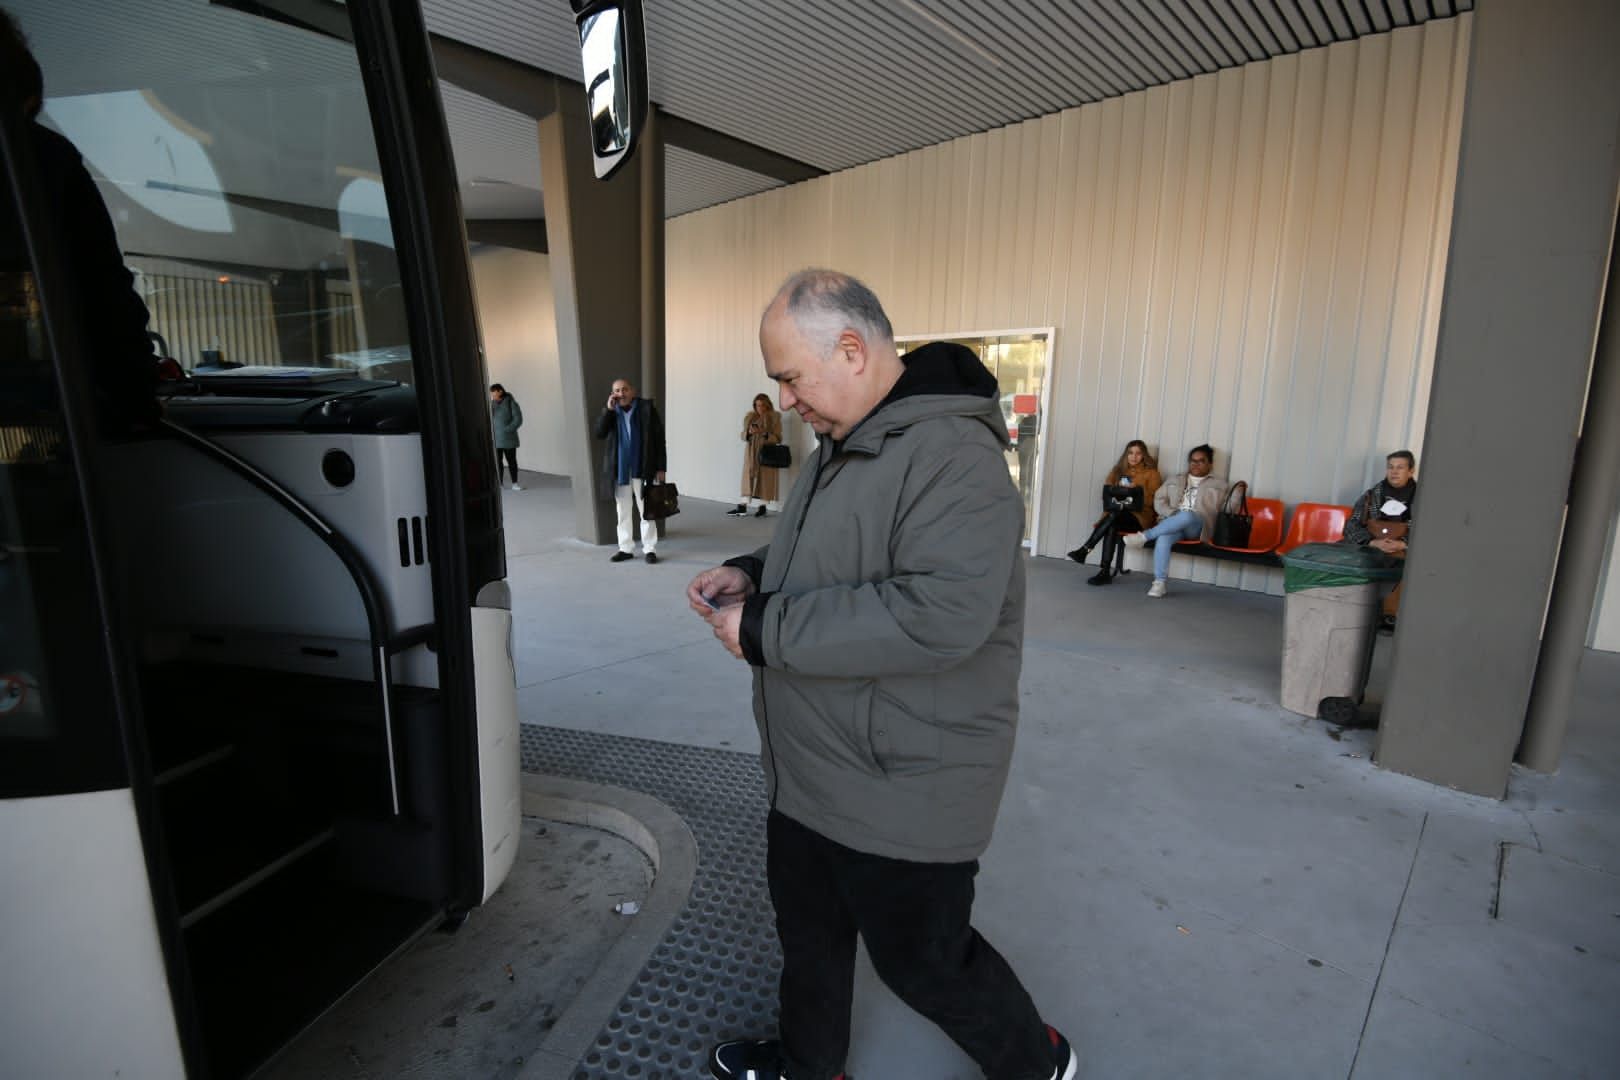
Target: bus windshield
[236, 158]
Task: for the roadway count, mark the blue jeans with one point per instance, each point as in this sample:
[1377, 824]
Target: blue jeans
[1181, 525]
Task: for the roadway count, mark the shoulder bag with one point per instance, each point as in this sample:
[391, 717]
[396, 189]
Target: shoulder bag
[1232, 527]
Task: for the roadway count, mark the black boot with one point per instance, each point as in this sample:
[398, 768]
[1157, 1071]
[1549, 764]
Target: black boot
[1079, 554]
[740, 510]
[1106, 574]
[761, 511]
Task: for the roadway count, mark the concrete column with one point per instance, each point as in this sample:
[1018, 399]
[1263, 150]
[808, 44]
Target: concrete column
[651, 166]
[593, 230]
[1536, 181]
[1586, 534]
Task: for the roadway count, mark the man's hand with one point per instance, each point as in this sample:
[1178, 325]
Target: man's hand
[727, 624]
[659, 478]
[613, 399]
[1389, 547]
[726, 586]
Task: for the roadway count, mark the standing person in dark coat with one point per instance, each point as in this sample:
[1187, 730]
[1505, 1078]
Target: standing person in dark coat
[506, 415]
[634, 457]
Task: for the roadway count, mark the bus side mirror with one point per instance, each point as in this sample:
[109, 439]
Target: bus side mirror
[613, 48]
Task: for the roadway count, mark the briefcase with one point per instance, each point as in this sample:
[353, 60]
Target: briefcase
[775, 456]
[659, 501]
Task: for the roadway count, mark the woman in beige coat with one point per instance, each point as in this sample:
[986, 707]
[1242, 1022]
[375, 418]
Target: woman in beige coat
[762, 426]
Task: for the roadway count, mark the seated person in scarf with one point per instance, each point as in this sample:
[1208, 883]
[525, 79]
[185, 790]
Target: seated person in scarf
[1390, 500]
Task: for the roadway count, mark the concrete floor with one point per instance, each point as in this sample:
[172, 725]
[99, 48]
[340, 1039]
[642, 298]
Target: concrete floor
[1191, 880]
[481, 1001]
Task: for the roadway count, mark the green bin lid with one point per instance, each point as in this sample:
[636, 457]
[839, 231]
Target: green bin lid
[1325, 566]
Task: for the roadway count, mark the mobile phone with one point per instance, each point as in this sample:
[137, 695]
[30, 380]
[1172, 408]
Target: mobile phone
[712, 605]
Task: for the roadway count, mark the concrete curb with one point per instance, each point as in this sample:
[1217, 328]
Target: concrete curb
[665, 839]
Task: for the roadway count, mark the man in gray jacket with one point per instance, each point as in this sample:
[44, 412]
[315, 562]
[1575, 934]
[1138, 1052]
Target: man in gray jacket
[884, 623]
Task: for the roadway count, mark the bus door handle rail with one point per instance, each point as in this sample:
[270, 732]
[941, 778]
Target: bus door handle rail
[371, 596]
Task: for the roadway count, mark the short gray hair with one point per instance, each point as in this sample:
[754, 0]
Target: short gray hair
[825, 303]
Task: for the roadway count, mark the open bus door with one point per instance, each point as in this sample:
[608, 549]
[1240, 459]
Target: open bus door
[257, 703]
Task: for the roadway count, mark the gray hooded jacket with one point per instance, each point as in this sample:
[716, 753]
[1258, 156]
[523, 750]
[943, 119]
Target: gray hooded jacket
[887, 635]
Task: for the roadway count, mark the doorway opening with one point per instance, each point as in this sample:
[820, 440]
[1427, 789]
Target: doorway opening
[1019, 359]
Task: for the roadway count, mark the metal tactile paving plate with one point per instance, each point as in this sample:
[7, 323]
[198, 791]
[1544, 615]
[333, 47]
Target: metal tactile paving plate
[714, 975]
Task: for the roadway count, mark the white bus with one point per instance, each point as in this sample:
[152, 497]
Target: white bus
[257, 705]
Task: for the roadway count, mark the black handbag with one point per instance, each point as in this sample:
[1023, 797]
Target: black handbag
[1232, 527]
[775, 456]
[659, 501]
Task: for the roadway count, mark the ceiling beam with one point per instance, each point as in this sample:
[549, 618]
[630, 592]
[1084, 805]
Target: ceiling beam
[529, 90]
[511, 83]
[734, 151]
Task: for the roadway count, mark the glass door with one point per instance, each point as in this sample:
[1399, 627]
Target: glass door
[1018, 360]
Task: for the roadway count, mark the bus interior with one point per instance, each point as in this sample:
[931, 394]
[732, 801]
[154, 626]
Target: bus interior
[270, 553]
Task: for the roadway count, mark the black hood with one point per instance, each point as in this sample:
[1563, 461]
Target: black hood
[942, 367]
[940, 379]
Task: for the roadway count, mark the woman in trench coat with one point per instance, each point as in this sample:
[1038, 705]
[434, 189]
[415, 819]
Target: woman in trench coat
[761, 427]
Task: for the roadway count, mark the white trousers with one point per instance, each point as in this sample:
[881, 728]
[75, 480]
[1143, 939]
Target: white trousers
[622, 494]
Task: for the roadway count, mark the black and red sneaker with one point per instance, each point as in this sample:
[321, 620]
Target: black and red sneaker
[750, 1059]
[1067, 1065]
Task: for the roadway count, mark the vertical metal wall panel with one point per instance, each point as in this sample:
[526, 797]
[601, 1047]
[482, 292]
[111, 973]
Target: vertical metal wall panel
[1252, 257]
[194, 310]
[1272, 117]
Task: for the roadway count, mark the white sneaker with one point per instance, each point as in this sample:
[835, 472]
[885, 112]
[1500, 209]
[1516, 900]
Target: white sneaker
[1158, 588]
[517, 487]
[1135, 539]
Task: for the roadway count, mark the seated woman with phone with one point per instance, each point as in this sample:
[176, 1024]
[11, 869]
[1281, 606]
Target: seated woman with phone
[1382, 517]
[1127, 506]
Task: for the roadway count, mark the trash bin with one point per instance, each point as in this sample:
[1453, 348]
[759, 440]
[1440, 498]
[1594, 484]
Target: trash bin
[1329, 616]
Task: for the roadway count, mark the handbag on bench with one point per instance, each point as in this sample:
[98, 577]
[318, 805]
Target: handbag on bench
[1233, 527]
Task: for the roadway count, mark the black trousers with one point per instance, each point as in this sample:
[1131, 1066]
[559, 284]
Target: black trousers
[507, 457]
[914, 919]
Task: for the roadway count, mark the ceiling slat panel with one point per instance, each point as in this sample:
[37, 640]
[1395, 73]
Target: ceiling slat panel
[1139, 44]
[1209, 26]
[1204, 51]
[1187, 56]
[693, 182]
[1336, 13]
[1360, 21]
[839, 83]
[1241, 23]
[1299, 22]
[1286, 37]
[1094, 63]
[1321, 26]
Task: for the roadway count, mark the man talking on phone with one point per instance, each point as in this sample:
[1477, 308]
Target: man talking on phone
[884, 623]
[634, 457]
